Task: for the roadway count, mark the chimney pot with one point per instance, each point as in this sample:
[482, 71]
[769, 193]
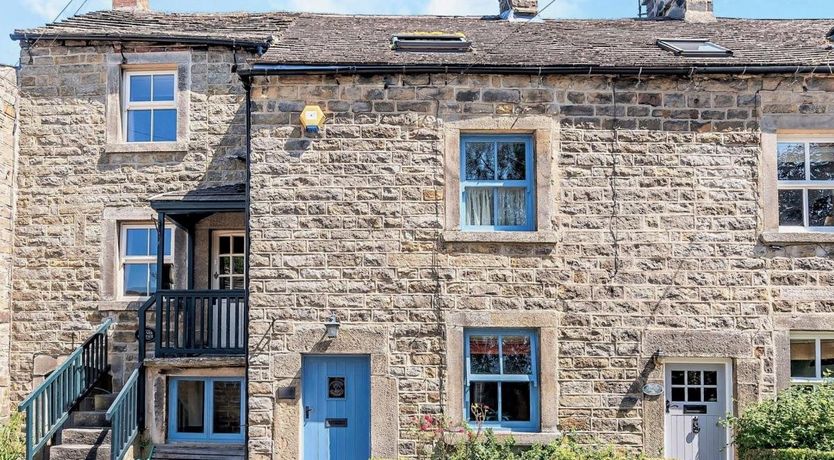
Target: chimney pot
[687, 10]
[518, 9]
[131, 5]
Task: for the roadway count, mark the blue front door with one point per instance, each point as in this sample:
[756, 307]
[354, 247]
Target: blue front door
[336, 395]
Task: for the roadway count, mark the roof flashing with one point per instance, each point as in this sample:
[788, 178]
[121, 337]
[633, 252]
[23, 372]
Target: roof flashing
[693, 47]
[431, 42]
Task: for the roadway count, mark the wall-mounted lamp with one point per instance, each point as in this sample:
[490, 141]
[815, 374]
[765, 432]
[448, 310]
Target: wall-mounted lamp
[332, 327]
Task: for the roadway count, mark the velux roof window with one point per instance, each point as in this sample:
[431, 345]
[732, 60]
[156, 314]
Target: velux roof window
[431, 42]
[693, 47]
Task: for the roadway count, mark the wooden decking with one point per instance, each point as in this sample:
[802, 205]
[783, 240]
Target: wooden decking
[199, 452]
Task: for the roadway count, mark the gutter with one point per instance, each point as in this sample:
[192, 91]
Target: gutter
[365, 69]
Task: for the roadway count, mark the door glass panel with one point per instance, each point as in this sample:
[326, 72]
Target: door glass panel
[711, 394]
[237, 283]
[678, 394]
[693, 394]
[224, 282]
[224, 244]
[516, 354]
[190, 398]
[822, 161]
[693, 377]
[483, 401]
[237, 265]
[791, 161]
[238, 245]
[483, 355]
[803, 358]
[710, 378]
[226, 412]
[827, 357]
[678, 378]
[515, 401]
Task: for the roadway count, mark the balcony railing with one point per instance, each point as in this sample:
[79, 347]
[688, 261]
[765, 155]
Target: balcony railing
[195, 323]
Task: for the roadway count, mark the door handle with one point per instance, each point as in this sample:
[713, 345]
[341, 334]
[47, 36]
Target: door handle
[307, 410]
[216, 275]
[696, 427]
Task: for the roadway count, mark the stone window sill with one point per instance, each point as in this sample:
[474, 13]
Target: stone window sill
[539, 237]
[521, 439]
[147, 147]
[796, 237]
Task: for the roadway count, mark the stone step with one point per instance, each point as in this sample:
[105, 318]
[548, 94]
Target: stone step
[89, 419]
[79, 452]
[88, 436]
[198, 451]
[97, 402]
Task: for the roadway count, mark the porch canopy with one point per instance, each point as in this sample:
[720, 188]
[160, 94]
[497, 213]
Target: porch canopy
[186, 208]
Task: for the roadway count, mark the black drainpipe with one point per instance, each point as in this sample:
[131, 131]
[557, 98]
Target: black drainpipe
[247, 84]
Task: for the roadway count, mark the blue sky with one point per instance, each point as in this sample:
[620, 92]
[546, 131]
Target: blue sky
[30, 13]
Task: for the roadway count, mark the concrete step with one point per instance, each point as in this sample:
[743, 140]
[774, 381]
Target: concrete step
[88, 436]
[89, 419]
[79, 452]
[198, 451]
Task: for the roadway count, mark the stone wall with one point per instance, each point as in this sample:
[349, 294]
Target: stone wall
[8, 143]
[658, 213]
[70, 187]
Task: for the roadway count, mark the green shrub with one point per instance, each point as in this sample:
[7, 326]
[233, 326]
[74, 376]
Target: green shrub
[11, 438]
[787, 454]
[799, 418]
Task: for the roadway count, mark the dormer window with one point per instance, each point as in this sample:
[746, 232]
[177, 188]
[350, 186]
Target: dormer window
[693, 47]
[431, 42]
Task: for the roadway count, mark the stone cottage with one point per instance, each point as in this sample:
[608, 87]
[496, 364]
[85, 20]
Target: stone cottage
[288, 236]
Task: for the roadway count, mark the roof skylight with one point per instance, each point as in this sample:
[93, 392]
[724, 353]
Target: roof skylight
[693, 47]
[430, 42]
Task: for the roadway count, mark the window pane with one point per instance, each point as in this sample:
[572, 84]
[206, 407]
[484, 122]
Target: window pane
[478, 207]
[138, 125]
[512, 206]
[163, 87]
[820, 208]
[480, 160]
[483, 355]
[154, 242]
[226, 407]
[693, 394]
[140, 88]
[483, 400]
[238, 244]
[165, 125]
[790, 159]
[803, 358]
[512, 161]
[136, 280]
[822, 161]
[711, 394]
[790, 208]
[517, 359]
[190, 396]
[515, 401]
[827, 357]
[137, 241]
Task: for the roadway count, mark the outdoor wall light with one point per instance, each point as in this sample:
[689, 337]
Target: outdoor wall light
[332, 327]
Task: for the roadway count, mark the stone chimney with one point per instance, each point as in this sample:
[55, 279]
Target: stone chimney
[687, 10]
[518, 9]
[131, 5]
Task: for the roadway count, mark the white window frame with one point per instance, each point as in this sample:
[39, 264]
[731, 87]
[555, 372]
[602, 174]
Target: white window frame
[127, 105]
[817, 337]
[803, 185]
[124, 259]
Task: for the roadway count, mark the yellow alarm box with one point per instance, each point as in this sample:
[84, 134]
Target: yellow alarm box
[312, 118]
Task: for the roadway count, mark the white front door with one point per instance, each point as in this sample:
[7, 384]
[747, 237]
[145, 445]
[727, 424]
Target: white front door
[696, 402]
[228, 273]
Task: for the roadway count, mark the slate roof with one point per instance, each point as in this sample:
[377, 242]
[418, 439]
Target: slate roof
[345, 40]
[244, 29]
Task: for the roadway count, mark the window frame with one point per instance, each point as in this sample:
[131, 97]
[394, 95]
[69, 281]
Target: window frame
[208, 434]
[529, 183]
[817, 337]
[127, 105]
[803, 185]
[533, 425]
[125, 259]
